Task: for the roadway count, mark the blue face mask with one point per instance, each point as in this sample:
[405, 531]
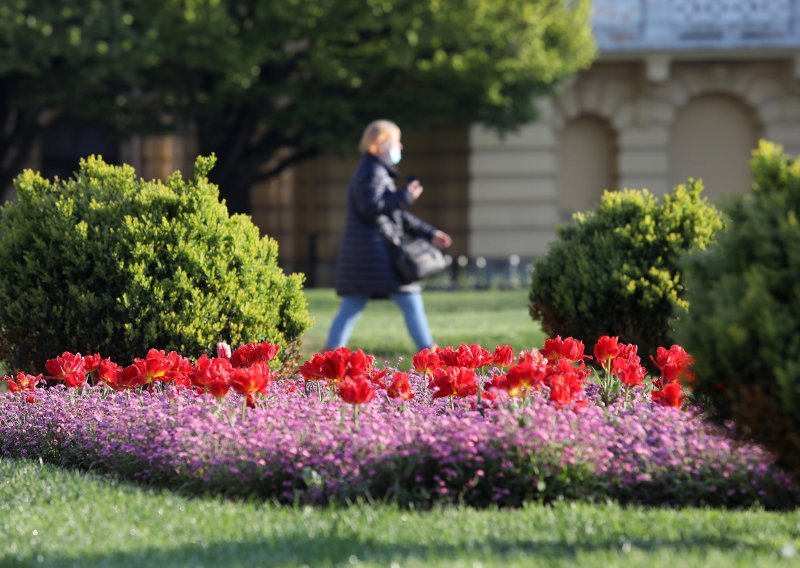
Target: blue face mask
[395, 155]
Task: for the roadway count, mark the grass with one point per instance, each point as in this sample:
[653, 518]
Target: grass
[490, 318]
[52, 517]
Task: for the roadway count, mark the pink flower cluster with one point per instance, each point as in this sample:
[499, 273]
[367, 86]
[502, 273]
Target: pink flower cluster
[295, 446]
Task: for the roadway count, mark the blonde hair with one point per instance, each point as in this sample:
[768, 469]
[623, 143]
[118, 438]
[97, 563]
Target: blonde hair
[376, 132]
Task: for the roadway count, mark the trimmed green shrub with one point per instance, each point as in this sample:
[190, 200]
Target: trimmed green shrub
[105, 262]
[744, 326]
[614, 270]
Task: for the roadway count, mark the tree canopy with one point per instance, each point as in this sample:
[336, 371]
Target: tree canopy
[266, 84]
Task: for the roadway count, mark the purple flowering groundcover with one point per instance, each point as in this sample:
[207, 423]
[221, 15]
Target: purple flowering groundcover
[297, 447]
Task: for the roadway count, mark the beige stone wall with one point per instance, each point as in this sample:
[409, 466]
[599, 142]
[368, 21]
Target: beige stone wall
[157, 157]
[273, 209]
[587, 157]
[698, 118]
[712, 138]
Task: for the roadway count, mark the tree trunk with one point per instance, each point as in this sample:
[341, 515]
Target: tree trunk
[254, 160]
[21, 135]
[234, 188]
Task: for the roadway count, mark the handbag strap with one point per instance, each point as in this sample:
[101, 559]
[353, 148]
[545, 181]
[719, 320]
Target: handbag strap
[383, 224]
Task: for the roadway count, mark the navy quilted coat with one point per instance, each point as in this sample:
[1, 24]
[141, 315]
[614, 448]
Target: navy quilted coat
[365, 264]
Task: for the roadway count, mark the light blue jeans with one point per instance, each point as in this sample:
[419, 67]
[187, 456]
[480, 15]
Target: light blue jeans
[350, 310]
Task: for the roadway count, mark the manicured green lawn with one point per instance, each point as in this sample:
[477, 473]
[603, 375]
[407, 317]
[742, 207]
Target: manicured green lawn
[51, 517]
[490, 318]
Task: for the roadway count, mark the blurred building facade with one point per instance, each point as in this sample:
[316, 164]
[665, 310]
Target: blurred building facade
[681, 88]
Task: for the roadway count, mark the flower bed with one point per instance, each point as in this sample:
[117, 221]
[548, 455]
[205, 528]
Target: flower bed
[418, 440]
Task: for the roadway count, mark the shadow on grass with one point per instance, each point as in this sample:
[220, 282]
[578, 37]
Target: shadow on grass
[300, 549]
[340, 541]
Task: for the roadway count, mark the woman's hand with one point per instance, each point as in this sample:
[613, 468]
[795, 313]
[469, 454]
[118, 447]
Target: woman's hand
[414, 189]
[441, 240]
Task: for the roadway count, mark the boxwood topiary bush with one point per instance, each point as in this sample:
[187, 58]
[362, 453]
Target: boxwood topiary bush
[614, 270]
[109, 263]
[744, 326]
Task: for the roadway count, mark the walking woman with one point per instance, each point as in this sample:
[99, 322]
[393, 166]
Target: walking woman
[376, 214]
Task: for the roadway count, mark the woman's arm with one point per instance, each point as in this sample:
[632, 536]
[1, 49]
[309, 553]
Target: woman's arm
[374, 194]
[419, 228]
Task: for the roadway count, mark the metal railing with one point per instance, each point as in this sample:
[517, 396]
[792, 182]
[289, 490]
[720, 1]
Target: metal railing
[483, 273]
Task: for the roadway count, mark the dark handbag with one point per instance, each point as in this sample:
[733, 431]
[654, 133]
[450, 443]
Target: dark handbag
[417, 258]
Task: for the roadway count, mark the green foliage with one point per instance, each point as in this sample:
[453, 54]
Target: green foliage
[129, 58]
[614, 270]
[744, 325]
[108, 263]
[490, 55]
[276, 82]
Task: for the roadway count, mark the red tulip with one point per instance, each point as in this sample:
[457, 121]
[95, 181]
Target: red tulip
[107, 371]
[569, 349]
[529, 375]
[511, 386]
[212, 375]
[400, 387]
[565, 381]
[500, 382]
[312, 370]
[629, 352]
[154, 366]
[564, 386]
[128, 378]
[180, 371]
[503, 356]
[356, 390]
[251, 353]
[572, 350]
[631, 374]
[68, 368]
[359, 364]
[269, 350]
[520, 379]
[22, 382]
[426, 361]
[447, 356]
[674, 364]
[453, 381]
[92, 362]
[473, 356]
[534, 357]
[552, 348]
[606, 349]
[251, 380]
[339, 364]
[670, 395]
[335, 364]
[565, 366]
[218, 386]
[376, 377]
